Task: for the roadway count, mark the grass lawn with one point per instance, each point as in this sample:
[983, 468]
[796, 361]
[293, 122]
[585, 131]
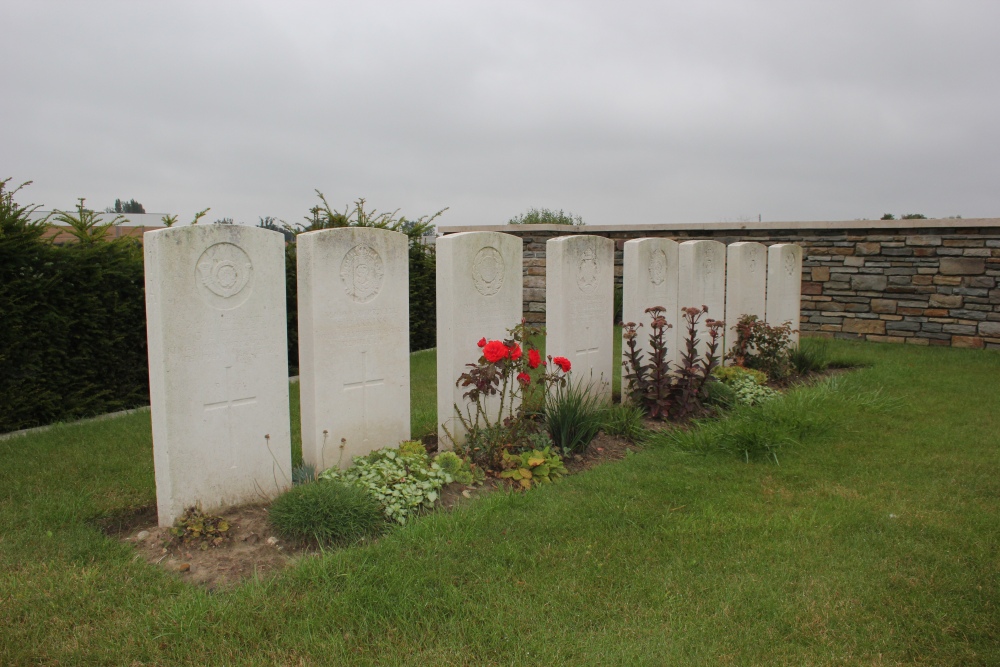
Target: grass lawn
[875, 541]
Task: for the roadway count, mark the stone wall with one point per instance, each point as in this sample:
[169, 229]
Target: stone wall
[926, 282]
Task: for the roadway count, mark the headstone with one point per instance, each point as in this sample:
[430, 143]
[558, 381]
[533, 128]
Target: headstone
[649, 278]
[746, 284]
[580, 307]
[354, 347]
[479, 295]
[218, 366]
[701, 282]
[784, 286]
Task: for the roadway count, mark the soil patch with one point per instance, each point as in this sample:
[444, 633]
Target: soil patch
[252, 549]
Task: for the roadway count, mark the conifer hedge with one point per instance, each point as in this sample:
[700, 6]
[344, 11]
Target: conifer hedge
[73, 321]
[72, 325]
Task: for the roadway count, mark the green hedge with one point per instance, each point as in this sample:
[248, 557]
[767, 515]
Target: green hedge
[73, 322]
[72, 326]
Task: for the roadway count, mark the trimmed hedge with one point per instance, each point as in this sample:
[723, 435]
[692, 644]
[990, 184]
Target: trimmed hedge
[73, 322]
[72, 326]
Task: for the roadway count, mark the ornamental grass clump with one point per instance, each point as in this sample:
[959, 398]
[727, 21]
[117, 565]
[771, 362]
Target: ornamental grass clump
[326, 513]
[573, 416]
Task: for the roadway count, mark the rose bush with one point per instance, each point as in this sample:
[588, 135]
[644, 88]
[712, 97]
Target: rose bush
[496, 418]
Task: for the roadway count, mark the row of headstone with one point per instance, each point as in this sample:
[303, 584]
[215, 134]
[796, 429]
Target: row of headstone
[744, 278]
[218, 349]
[218, 356]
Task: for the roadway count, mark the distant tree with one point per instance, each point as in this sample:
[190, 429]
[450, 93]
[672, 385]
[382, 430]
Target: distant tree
[544, 216]
[914, 216]
[130, 206]
[224, 221]
[888, 216]
[268, 222]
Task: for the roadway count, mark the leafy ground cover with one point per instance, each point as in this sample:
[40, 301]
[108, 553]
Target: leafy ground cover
[874, 541]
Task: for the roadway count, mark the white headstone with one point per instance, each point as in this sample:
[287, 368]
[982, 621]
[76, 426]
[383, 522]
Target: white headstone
[354, 347]
[580, 307]
[784, 286]
[218, 365]
[746, 284]
[649, 278]
[479, 295]
[702, 282]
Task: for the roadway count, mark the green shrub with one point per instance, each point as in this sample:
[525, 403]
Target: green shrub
[533, 468]
[544, 216]
[402, 483]
[763, 347]
[747, 391]
[747, 384]
[624, 420]
[573, 416]
[72, 323]
[727, 374]
[459, 469]
[326, 513]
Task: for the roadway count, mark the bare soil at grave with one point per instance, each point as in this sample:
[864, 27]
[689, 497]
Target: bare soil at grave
[254, 550]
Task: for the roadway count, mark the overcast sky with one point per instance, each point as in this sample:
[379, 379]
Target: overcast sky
[620, 112]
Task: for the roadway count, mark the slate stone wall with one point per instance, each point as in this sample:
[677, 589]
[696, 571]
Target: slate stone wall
[893, 282]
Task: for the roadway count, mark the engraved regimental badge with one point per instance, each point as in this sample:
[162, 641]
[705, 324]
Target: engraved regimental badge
[487, 271]
[362, 273]
[224, 274]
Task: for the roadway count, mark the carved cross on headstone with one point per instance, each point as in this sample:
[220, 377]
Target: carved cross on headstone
[363, 384]
[229, 404]
[586, 355]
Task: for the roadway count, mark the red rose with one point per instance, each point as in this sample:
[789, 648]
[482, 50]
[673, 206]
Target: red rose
[524, 378]
[563, 363]
[482, 342]
[515, 352]
[534, 358]
[494, 351]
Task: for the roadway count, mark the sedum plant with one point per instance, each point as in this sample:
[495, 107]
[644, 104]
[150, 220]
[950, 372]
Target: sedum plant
[660, 390]
[403, 482]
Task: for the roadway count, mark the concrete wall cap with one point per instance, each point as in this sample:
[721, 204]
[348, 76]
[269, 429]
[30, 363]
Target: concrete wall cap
[895, 225]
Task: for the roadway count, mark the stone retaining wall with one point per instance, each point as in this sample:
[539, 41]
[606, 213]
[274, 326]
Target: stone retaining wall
[926, 282]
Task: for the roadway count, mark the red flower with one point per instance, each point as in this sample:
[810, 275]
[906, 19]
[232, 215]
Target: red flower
[534, 358]
[494, 351]
[563, 363]
[524, 378]
[515, 352]
[482, 342]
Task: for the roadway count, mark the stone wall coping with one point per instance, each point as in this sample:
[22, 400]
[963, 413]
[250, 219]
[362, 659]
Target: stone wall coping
[908, 225]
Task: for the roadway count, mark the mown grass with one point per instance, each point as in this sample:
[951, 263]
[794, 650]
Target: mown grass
[874, 541]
